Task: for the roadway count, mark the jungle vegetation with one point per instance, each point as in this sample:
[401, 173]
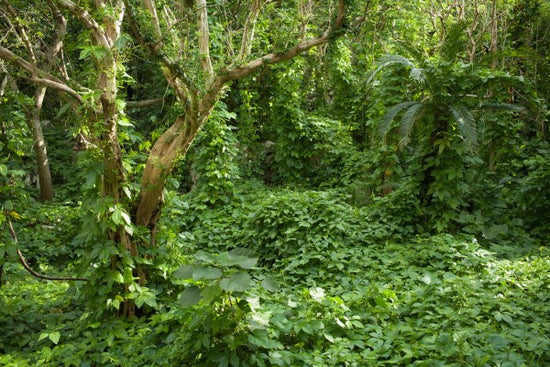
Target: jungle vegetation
[274, 183]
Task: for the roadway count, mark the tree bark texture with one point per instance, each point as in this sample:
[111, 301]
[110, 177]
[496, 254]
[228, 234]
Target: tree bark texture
[40, 149]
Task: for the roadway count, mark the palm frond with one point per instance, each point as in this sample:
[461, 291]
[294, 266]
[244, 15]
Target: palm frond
[466, 124]
[417, 74]
[410, 116]
[385, 123]
[455, 42]
[386, 61]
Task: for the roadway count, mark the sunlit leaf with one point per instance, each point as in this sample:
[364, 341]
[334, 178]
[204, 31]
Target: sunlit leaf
[54, 337]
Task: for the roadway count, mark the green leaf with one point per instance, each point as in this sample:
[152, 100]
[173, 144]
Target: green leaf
[204, 257]
[387, 61]
[62, 110]
[260, 338]
[84, 53]
[210, 293]
[116, 217]
[237, 282]
[241, 251]
[407, 122]
[3, 170]
[234, 359]
[125, 123]
[54, 337]
[204, 272]
[8, 205]
[497, 341]
[245, 262]
[147, 298]
[184, 272]
[270, 284]
[190, 296]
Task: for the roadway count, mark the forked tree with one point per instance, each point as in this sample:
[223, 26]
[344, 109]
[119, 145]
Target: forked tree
[200, 47]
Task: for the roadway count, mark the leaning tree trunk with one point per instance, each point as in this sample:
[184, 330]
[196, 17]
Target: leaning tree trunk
[173, 143]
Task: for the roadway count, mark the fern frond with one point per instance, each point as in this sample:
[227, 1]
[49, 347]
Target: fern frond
[408, 120]
[387, 61]
[466, 124]
[455, 42]
[417, 74]
[385, 123]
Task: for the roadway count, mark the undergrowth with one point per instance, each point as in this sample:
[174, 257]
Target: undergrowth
[298, 279]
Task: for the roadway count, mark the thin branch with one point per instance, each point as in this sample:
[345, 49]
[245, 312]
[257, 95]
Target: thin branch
[87, 20]
[60, 30]
[151, 7]
[249, 28]
[276, 57]
[22, 33]
[271, 58]
[204, 39]
[175, 76]
[145, 103]
[28, 268]
[46, 277]
[42, 77]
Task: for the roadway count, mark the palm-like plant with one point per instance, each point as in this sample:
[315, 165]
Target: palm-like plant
[446, 96]
[442, 100]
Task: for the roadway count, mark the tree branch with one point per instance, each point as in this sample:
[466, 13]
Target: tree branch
[60, 30]
[204, 39]
[39, 76]
[151, 7]
[87, 20]
[22, 33]
[46, 277]
[248, 32]
[145, 103]
[271, 58]
[276, 57]
[174, 76]
[29, 269]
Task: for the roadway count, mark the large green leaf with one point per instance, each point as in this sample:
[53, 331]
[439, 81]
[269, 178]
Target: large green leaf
[210, 293]
[190, 296]
[233, 258]
[270, 284]
[237, 282]
[206, 272]
[184, 272]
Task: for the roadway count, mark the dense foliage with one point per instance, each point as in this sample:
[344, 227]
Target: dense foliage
[226, 194]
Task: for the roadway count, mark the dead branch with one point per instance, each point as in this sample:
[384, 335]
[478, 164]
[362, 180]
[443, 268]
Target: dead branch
[29, 269]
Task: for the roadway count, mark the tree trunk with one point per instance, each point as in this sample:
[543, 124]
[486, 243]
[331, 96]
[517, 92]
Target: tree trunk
[42, 162]
[173, 143]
